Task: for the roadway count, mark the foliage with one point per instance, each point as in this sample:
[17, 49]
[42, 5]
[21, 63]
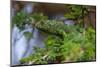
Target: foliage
[53, 44]
[76, 46]
[75, 12]
[19, 20]
[28, 35]
[52, 26]
[64, 44]
[38, 17]
[89, 45]
[35, 57]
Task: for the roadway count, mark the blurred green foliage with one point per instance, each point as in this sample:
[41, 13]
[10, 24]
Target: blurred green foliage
[38, 17]
[36, 57]
[75, 46]
[81, 45]
[28, 35]
[52, 27]
[75, 12]
[64, 44]
[19, 20]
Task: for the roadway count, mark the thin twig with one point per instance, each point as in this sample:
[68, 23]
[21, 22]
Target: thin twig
[45, 56]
